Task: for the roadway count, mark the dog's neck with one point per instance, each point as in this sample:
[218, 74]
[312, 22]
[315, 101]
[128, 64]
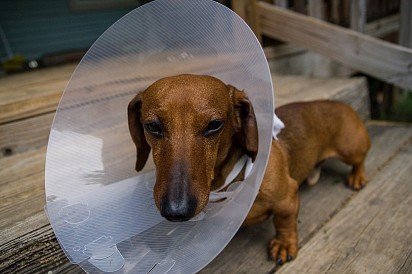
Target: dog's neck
[222, 170]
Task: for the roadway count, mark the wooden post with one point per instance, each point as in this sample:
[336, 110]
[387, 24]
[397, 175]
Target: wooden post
[300, 6]
[405, 33]
[358, 15]
[248, 10]
[281, 3]
[316, 9]
[335, 11]
[239, 6]
[255, 19]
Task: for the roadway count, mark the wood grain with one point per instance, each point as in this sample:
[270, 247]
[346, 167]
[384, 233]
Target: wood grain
[386, 61]
[21, 186]
[32, 93]
[24, 135]
[381, 240]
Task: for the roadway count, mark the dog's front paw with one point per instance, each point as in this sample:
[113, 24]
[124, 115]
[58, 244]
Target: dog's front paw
[282, 251]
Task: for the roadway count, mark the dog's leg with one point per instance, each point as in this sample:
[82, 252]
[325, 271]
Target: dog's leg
[352, 148]
[284, 246]
[314, 176]
[356, 158]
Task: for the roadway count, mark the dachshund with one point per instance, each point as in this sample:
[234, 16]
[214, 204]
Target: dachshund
[198, 127]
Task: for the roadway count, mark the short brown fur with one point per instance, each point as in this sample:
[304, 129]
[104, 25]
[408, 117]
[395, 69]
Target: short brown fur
[314, 131]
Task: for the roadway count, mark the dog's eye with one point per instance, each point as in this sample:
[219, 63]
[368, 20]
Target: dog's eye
[154, 128]
[213, 127]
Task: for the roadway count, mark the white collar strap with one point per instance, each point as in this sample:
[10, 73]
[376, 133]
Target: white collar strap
[244, 162]
[278, 125]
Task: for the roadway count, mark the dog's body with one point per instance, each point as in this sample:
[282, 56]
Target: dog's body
[198, 137]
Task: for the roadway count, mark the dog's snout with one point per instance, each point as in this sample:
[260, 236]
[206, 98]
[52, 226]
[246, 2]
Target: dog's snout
[178, 210]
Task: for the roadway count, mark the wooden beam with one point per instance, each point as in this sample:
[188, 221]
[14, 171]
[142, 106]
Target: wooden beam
[281, 51]
[383, 26]
[405, 34]
[383, 60]
[358, 15]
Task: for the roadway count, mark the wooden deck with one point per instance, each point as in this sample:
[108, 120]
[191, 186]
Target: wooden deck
[340, 230]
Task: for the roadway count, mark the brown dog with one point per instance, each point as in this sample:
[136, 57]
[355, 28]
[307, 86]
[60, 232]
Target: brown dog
[198, 127]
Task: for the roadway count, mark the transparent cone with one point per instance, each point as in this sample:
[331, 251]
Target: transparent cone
[101, 210]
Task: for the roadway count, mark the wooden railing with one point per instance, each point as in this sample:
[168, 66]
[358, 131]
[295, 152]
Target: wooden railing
[354, 47]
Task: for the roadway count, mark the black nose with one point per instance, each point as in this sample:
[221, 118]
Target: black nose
[178, 210]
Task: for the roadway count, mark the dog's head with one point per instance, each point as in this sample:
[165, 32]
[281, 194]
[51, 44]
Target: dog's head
[190, 122]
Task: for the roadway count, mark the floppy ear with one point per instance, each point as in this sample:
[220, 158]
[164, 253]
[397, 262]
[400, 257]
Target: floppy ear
[245, 122]
[137, 132]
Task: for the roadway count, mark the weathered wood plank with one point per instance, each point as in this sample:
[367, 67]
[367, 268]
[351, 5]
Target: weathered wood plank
[21, 186]
[38, 249]
[281, 51]
[318, 205]
[381, 240]
[32, 93]
[23, 135]
[386, 61]
[405, 34]
[41, 96]
[296, 88]
[383, 27]
[45, 254]
[358, 15]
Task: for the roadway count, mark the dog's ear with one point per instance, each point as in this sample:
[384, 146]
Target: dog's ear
[137, 132]
[245, 122]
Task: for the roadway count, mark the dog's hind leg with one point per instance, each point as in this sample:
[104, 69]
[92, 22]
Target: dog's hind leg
[353, 152]
[357, 178]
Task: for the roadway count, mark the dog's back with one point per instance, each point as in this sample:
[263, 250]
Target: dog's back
[317, 130]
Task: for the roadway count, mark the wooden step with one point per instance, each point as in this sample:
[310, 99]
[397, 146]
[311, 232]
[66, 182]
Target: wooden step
[28, 102]
[32, 93]
[372, 233]
[27, 240]
[29, 244]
